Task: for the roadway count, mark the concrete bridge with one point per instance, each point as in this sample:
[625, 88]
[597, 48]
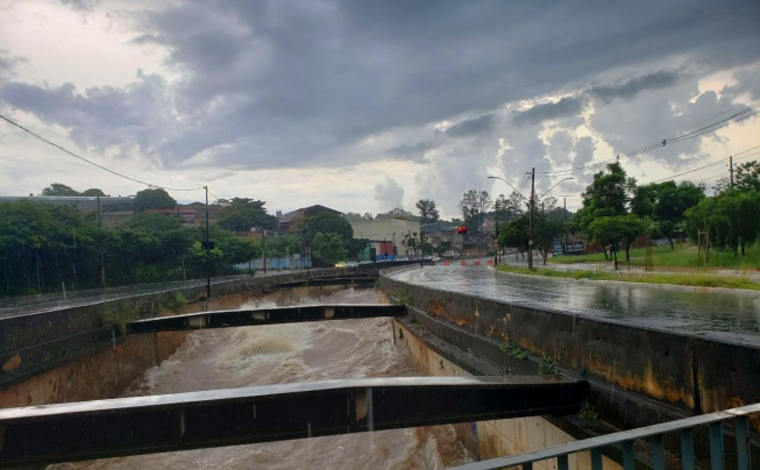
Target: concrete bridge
[636, 376]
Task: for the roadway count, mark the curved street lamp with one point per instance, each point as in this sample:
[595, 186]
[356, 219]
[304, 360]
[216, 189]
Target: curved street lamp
[510, 185]
[558, 183]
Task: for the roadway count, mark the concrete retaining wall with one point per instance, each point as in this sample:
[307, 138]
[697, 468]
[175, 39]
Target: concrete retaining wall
[639, 376]
[32, 344]
[491, 439]
[105, 371]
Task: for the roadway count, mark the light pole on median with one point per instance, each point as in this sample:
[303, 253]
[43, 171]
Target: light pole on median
[531, 205]
[530, 202]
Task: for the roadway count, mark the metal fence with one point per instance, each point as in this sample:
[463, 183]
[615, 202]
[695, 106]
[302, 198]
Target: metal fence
[715, 421]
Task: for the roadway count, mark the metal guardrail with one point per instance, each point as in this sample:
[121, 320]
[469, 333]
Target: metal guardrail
[37, 435]
[264, 316]
[655, 433]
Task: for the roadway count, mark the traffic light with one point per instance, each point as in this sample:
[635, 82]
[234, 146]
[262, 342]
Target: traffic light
[462, 230]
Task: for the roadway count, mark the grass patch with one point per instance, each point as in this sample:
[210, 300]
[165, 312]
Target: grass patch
[514, 351]
[176, 301]
[682, 256]
[697, 280]
[403, 298]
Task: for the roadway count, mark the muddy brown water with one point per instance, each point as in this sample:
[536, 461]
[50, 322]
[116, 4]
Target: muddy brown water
[249, 356]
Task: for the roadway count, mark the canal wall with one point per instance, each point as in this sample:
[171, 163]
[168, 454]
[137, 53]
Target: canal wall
[639, 376]
[106, 363]
[486, 439]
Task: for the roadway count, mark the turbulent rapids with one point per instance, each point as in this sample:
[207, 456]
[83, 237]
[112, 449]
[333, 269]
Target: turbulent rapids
[247, 356]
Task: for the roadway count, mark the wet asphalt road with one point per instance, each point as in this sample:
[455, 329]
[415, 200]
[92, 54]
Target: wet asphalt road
[727, 316]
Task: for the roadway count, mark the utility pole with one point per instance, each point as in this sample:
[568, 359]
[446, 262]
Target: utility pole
[102, 251]
[496, 234]
[264, 246]
[208, 252]
[530, 232]
[564, 226]
[731, 170]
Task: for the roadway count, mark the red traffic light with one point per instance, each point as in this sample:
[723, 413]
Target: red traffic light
[461, 230]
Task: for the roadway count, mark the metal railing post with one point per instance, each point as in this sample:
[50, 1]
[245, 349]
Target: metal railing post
[742, 443]
[687, 449]
[716, 446]
[658, 453]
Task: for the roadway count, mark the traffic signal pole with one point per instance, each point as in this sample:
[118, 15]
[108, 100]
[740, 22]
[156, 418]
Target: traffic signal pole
[530, 231]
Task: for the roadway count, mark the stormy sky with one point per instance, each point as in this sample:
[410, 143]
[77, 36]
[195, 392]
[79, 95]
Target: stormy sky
[364, 106]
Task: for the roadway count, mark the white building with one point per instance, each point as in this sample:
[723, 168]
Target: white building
[384, 233]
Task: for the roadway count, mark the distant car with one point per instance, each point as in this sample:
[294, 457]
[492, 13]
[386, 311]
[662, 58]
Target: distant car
[365, 262]
[352, 264]
[340, 265]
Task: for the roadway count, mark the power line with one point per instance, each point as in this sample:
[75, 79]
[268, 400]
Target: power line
[524, 180]
[736, 157]
[43, 139]
[690, 133]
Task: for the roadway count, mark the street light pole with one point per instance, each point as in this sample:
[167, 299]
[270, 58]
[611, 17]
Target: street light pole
[530, 231]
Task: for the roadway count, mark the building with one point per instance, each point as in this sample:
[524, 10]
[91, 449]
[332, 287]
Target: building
[385, 235]
[293, 221]
[113, 210]
[440, 234]
[193, 214]
[257, 233]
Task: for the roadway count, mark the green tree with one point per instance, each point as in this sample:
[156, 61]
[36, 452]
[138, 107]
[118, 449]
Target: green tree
[328, 222]
[666, 203]
[612, 230]
[329, 247]
[514, 234]
[606, 196]
[242, 214]
[548, 226]
[92, 192]
[473, 206]
[411, 242]
[153, 198]
[352, 216]
[746, 178]
[428, 212]
[731, 217]
[58, 189]
[397, 213]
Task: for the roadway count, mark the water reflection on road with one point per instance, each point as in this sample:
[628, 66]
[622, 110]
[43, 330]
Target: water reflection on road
[725, 315]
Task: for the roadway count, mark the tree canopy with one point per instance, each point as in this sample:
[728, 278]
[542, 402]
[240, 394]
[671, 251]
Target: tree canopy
[329, 247]
[153, 198]
[58, 189]
[92, 192]
[242, 214]
[428, 211]
[666, 204]
[328, 222]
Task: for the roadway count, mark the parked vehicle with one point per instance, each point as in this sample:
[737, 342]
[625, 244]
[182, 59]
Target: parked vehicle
[340, 264]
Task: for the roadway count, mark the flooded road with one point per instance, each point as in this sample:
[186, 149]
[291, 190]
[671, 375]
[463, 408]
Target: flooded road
[724, 315]
[249, 356]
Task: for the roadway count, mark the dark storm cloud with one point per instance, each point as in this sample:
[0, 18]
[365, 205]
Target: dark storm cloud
[634, 86]
[413, 151]
[97, 116]
[285, 83]
[473, 126]
[566, 107]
